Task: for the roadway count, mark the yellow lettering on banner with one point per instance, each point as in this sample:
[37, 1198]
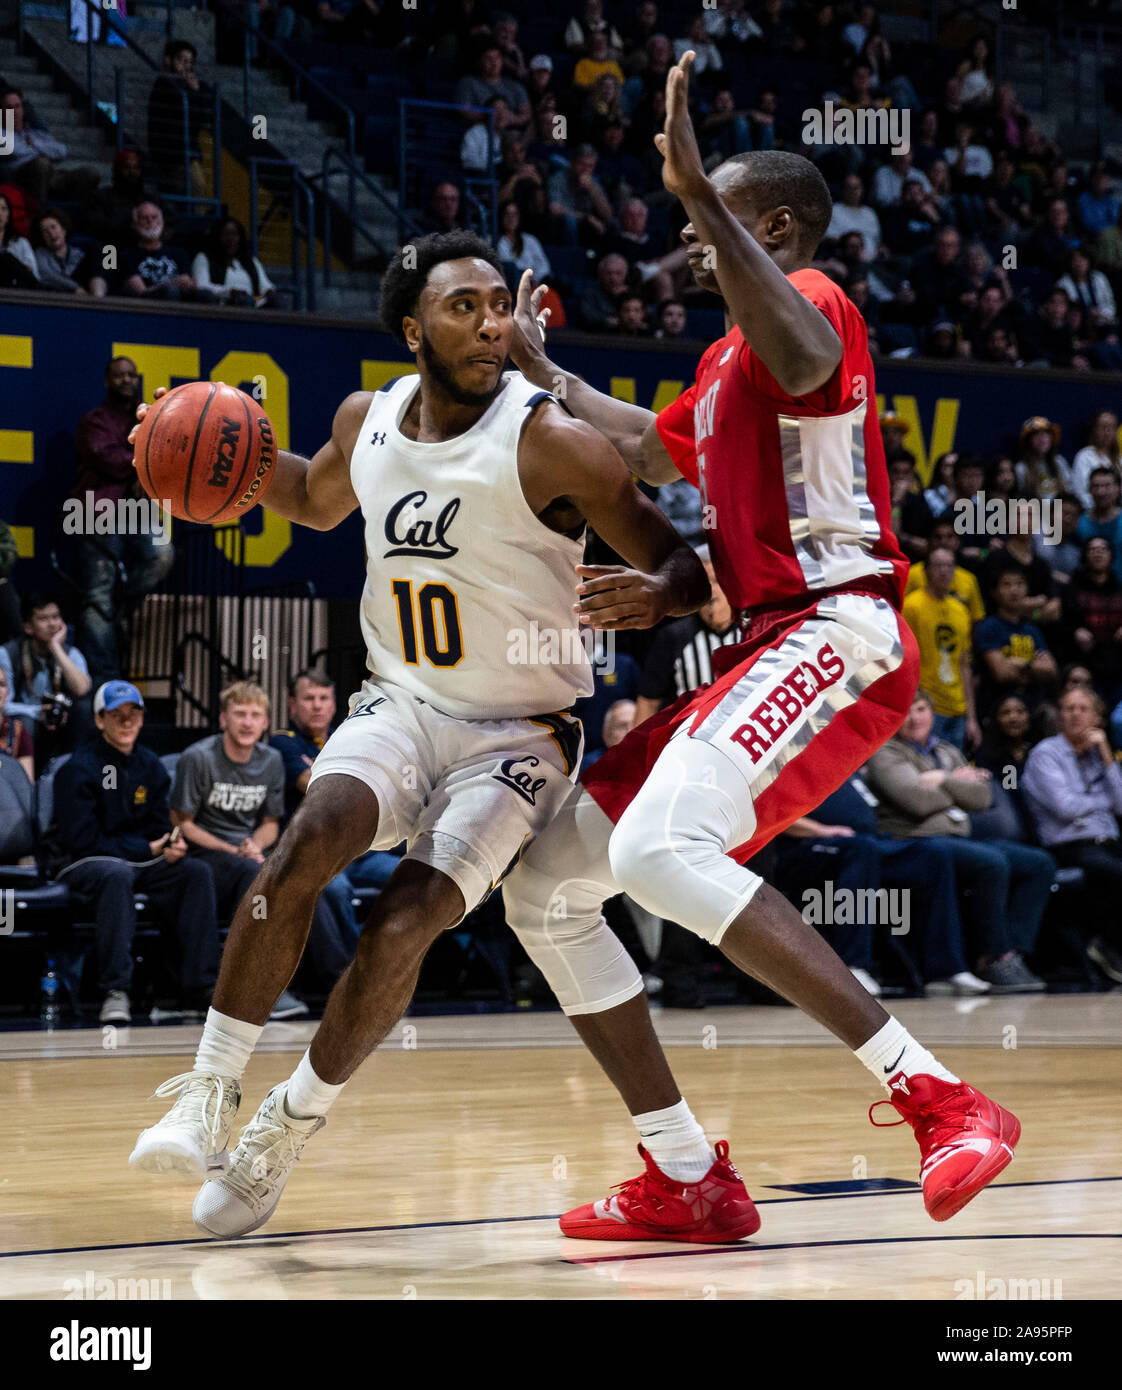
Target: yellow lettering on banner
[239, 369]
[943, 430]
[622, 388]
[24, 537]
[17, 446]
[375, 374]
[160, 365]
[666, 394]
[15, 350]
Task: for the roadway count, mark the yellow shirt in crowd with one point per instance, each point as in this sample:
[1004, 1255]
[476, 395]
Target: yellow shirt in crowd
[942, 629]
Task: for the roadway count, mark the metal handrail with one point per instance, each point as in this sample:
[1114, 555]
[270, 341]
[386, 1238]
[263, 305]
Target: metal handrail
[297, 74]
[356, 173]
[490, 184]
[300, 187]
[221, 662]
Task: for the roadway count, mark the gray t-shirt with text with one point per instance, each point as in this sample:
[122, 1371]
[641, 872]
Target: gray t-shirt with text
[226, 798]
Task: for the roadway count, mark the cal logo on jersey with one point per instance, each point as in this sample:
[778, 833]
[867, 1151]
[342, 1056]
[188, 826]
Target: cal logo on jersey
[515, 773]
[409, 533]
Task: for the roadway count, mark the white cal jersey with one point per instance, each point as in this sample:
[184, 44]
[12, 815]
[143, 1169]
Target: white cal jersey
[468, 602]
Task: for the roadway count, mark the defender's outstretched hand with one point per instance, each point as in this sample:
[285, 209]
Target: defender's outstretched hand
[527, 344]
[682, 171]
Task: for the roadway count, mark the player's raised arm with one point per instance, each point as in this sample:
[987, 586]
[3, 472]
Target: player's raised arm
[630, 428]
[795, 341]
[667, 580]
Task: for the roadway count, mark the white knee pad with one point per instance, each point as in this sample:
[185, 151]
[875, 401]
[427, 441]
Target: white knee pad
[554, 900]
[668, 850]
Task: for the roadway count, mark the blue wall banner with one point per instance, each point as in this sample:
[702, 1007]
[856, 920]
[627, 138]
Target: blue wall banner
[52, 360]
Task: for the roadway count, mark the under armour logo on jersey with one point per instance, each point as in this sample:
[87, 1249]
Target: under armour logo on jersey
[379, 437]
[513, 773]
[367, 707]
[410, 535]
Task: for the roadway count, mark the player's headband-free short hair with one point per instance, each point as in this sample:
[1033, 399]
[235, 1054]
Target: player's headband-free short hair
[780, 178]
[314, 675]
[402, 285]
[244, 693]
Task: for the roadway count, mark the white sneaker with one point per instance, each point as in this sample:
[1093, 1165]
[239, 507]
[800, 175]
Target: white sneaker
[243, 1198]
[865, 980]
[192, 1137]
[961, 984]
[116, 1008]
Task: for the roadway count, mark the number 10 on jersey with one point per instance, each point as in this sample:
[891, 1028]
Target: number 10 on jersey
[443, 643]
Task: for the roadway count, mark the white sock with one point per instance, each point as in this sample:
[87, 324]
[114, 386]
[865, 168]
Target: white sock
[227, 1045]
[676, 1142]
[894, 1049]
[307, 1096]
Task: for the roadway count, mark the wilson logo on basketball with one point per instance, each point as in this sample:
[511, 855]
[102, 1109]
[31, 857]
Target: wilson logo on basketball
[785, 702]
[227, 453]
[264, 463]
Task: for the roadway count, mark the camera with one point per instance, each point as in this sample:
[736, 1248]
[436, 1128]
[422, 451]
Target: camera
[54, 710]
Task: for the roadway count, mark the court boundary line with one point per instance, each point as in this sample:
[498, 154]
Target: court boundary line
[246, 1242]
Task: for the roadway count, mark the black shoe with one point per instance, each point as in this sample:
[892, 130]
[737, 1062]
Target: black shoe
[1107, 957]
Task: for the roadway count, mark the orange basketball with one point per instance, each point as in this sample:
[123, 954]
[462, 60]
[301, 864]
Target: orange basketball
[207, 449]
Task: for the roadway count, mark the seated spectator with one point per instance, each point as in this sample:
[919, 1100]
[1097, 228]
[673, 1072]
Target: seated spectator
[937, 276]
[580, 29]
[149, 269]
[1100, 451]
[968, 477]
[1090, 288]
[993, 310]
[1052, 241]
[964, 583]
[842, 841]
[113, 839]
[1013, 657]
[178, 111]
[617, 724]
[633, 241]
[1105, 517]
[976, 73]
[926, 144]
[911, 519]
[601, 108]
[671, 319]
[892, 178]
[228, 800]
[14, 738]
[894, 429]
[708, 56]
[1063, 555]
[633, 321]
[539, 83]
[504, 31]
[229, 270]
[1097, 206]
[16, 250]
[597, 63]
[621, 175]
[1092, 616]
[1018, 552]
[549, 149]
[443, 212]
[910, 224]
[577, 202]
[598, 306]
[969, 161]
[33, 154]
[643, 24]
[48, 679]
[942, 628]
[1048, 338]
[114, 571]
[681, 656]
[1006, 743]
[478, 88]
[927, 789]
[60, 266]
[1007, 207]
[1041, 470]
[939, 492]
[979, 273]
[1074, 788]
[851, 215]
[519, 247]
[480, 149]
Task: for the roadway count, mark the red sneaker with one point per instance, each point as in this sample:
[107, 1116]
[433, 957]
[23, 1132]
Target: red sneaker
[965, 1139]
[714, 1211]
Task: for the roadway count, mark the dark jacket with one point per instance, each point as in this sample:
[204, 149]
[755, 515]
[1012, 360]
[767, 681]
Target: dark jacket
[120, 820]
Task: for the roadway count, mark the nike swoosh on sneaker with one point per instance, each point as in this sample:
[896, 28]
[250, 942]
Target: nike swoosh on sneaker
[889, 1070]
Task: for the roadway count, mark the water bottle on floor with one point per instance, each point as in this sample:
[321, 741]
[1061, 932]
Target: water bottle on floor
[50, 1009]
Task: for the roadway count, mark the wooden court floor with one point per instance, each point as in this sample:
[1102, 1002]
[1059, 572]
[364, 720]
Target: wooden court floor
[446, 1161]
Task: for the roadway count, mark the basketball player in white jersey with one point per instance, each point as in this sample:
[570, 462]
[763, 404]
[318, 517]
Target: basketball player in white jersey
[475, 488]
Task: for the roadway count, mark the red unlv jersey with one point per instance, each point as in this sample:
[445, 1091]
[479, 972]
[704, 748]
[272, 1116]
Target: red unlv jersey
[794, 491]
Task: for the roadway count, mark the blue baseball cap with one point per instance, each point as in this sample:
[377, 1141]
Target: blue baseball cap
[114, 694]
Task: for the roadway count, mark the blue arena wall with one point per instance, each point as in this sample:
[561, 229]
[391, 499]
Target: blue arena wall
[52, 358]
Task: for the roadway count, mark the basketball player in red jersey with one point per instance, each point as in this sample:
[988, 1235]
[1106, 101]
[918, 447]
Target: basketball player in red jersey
[779, 433]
